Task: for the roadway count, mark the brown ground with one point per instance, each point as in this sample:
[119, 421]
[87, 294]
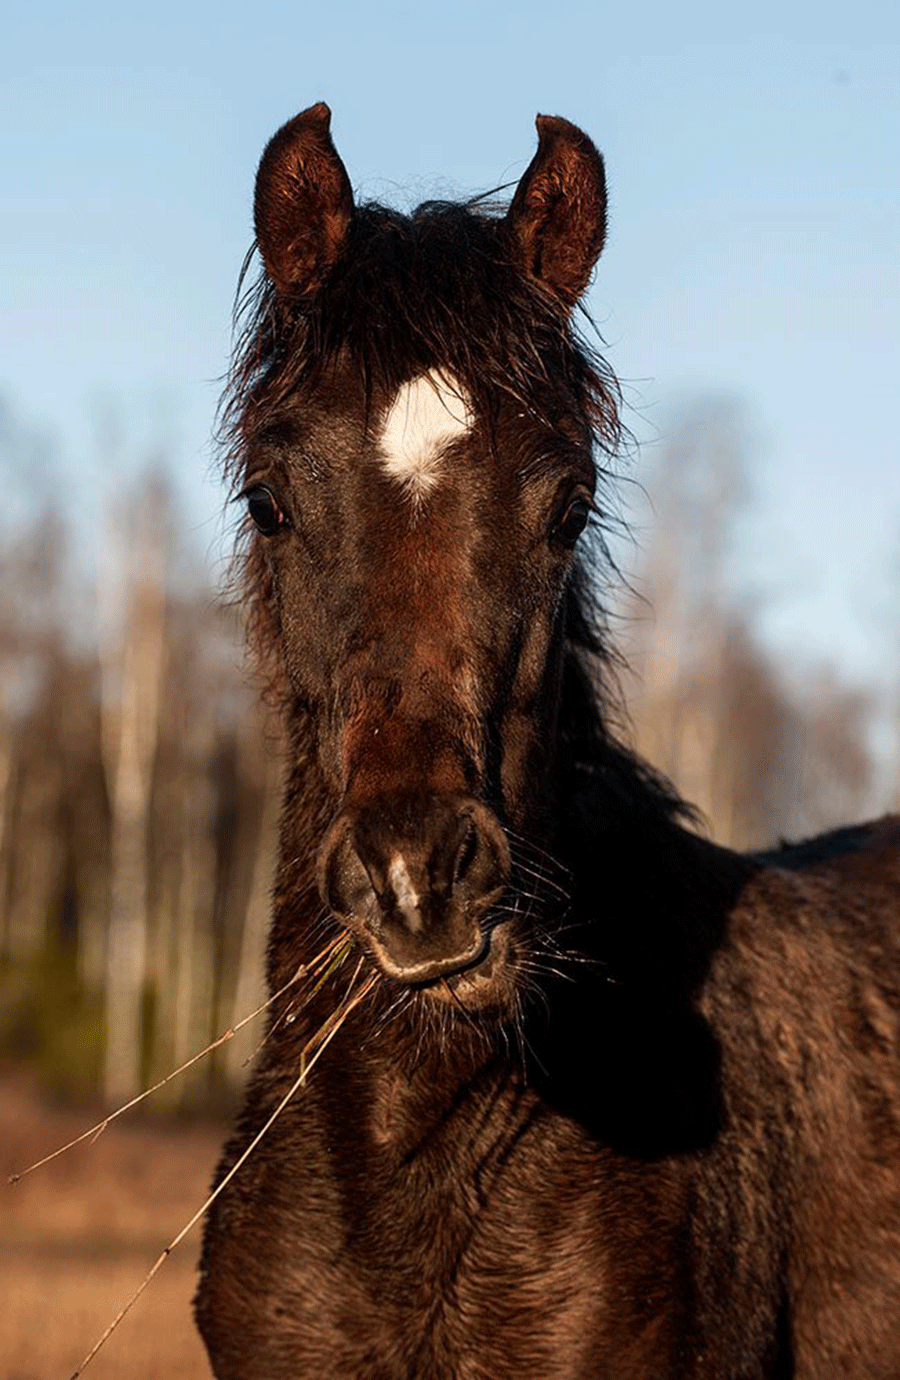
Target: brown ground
[78, 1236]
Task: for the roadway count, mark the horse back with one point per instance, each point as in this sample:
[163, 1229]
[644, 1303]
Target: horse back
[805, 999]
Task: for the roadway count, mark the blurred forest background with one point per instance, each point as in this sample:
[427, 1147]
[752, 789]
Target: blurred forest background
[139, 775]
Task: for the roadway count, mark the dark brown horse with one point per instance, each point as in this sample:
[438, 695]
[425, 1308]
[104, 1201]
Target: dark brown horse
[607, 1100]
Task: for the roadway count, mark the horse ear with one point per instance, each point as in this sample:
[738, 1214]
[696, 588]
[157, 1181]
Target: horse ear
[558, 215]
[303, 203]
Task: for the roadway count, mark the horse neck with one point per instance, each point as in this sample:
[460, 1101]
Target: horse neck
[647, 906]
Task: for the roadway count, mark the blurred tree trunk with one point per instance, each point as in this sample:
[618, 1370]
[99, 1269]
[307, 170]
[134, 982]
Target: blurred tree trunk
[165, 919]
[132, 615]
[87, 820]
[38, 856]
[194, 975]
[6, 788]
[249, 985]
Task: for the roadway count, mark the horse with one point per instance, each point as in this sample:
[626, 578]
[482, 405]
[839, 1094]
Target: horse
[594, 1096]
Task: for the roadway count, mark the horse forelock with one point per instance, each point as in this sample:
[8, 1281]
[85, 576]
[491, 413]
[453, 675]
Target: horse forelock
[434, 290]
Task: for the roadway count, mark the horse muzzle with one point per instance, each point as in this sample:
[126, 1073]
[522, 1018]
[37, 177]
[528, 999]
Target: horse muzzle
[414, 879]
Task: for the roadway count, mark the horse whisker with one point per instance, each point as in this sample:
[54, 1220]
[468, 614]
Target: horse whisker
[521, 844]
[539, 877]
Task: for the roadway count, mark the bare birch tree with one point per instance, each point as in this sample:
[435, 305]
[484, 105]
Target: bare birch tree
[131, 597]
[248, 983]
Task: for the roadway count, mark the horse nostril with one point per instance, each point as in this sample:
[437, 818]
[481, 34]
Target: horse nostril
[465, 854]
[414, 878]
[480, 860]
[345, 882]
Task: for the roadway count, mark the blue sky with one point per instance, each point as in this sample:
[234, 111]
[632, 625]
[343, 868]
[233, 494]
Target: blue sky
[754, 172]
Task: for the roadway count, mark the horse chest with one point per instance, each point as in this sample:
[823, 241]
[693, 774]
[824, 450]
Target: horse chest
[470, 1246]
[468, 1268]
[391, 1236]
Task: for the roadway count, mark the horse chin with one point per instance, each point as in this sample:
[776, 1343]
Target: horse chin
[484, 983]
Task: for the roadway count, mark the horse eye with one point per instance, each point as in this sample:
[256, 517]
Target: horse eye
[263, 509]
[573, 522]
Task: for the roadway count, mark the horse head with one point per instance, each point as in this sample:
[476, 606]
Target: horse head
[418, 423]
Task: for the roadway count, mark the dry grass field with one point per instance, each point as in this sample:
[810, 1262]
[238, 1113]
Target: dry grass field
[77, 1237]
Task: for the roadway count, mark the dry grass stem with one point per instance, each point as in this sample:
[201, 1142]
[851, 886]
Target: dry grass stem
[342, 944]
[93, 1132]
[315, 1046]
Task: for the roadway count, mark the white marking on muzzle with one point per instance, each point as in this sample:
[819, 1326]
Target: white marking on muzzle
[425, 416]
[405, 892]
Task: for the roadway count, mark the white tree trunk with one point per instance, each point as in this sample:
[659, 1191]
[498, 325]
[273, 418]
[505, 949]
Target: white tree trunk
[132, 617]
[249, 986]
[194, 922]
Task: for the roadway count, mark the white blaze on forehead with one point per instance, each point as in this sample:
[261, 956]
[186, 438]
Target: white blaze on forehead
[426, 415]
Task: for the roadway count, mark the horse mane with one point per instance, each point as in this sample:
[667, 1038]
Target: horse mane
[439, 288]
[600, 770]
